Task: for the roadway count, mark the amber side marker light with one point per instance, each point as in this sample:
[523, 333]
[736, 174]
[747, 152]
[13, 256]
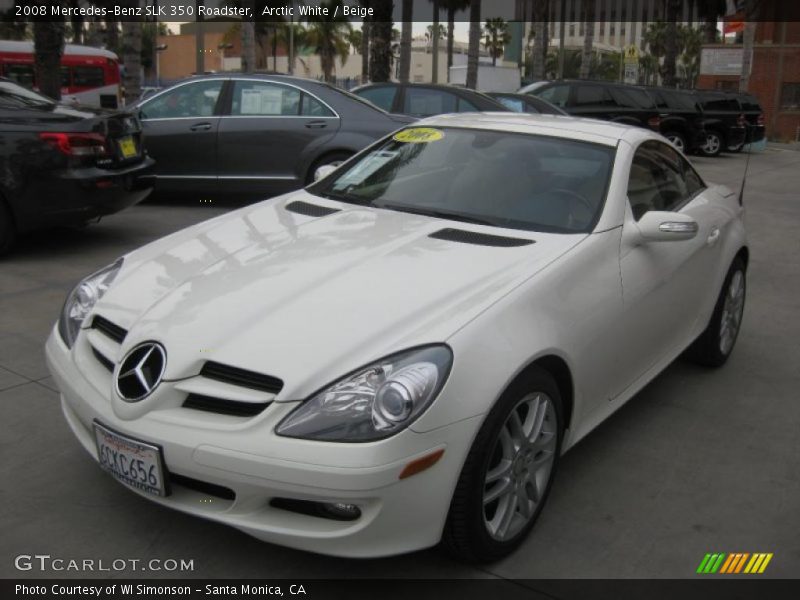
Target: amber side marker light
[420, 464]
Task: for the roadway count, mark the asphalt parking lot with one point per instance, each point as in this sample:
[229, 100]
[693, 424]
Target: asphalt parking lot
[700, 461]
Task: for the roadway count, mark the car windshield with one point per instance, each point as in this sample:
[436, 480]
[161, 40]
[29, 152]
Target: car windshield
[513, 180]
[16, 96]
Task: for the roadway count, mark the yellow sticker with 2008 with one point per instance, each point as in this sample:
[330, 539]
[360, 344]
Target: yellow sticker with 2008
[419, 135]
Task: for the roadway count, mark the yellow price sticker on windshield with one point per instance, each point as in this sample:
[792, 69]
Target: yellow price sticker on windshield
[419, 135]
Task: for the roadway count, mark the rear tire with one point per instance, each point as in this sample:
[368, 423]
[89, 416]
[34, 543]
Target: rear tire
[677, 140]
[8, 231]
[508, 472]
[714, 144]
[716, 343]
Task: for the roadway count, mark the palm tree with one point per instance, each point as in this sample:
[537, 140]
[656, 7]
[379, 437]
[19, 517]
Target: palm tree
[248, 31]
[496, 38]
[588, 38]
[656, 40]
[48, 43]
[328, 37]
[474, 43]
[540, 38]
[452, 6]
[691, 40]
[366, 33]
[751, 8]
[671, 42]
[405, 40]
[132, 58]
[436, 33]
[710, 11]
[380, 59]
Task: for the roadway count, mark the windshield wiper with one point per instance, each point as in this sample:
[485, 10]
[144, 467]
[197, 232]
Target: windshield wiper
[343, 197]
[433, 212]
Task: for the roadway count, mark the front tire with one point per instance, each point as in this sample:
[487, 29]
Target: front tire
[508, 472]
[714, 144]
[716, 343]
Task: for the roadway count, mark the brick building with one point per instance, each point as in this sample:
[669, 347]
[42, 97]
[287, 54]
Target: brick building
[774, 78]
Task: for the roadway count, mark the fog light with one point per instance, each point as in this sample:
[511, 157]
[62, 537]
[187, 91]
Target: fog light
[342, 511]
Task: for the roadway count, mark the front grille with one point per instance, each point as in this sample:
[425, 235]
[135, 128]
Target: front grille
[204, 487]
[241, 377]
[310, 210]
[479, 239]
[222, 406]
[103, 325]
[103, 360]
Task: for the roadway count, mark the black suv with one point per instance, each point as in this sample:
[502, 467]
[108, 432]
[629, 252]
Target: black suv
[724, 122]
[600, 100]
[754, 117]
[682, 120]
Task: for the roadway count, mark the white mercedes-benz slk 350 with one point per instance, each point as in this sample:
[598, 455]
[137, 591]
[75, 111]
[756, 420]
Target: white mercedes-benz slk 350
[400, 353]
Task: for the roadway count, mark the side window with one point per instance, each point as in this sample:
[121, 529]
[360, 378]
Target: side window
[557, 94]
[21, 74]
[314, 108]
[593, 96]
[196, 99]
[466, 106]
[88, 77]
[382, 97]
[511, 103]
[660, 179]
[422, 102]
[264, 99]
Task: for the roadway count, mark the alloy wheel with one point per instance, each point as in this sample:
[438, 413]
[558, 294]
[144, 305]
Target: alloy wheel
[520, 466]
[713, 144]
[676, 141]
[732, 313]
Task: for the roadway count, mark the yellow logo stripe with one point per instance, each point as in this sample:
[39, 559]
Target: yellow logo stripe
[753, 564]
[765, 563]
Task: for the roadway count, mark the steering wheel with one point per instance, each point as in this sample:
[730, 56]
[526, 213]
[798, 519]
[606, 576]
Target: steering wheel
[575, 196]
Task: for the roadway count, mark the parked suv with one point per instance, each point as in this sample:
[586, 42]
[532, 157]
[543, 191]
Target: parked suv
[599, 100]
[682, 120]
[724, 122]
[754, 116]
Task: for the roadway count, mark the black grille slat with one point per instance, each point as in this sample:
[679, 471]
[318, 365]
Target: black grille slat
[222, 406]
[479, 239]
[242, 377]
[204, 487]
[103, 325]
[103, 360]
[310, 210]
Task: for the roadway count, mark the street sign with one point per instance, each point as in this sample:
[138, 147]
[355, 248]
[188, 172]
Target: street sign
[631, 73]
[632, 54]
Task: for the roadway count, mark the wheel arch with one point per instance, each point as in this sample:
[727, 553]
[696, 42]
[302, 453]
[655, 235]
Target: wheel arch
[744, 254]
[558, 368]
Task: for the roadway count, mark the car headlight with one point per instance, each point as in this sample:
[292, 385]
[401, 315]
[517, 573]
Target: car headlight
[82, 299]
[376, 401]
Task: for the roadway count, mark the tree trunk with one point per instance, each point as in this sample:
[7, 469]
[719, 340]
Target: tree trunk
[670, 44]
[365, 33]
[588, 39]
[48, 41]
[76, 22]
[248, 32]
[132, 59]
[405, 41]
[451, 24]
[710, 29]
[380, 59]
[112, 34]
[474, 43]
[537, 64]
[435, 44]
[747, 44]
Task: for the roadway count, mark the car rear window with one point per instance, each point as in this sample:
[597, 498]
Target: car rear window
[382, 97]
[547, 183]
[712, 102]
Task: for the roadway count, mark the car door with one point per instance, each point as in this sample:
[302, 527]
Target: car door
[268, 133]
[665, 283]
[180, 133]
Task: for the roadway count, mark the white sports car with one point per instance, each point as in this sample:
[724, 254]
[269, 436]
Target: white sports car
[400, 353]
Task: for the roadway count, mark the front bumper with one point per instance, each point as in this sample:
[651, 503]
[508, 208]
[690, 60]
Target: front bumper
[397, 516]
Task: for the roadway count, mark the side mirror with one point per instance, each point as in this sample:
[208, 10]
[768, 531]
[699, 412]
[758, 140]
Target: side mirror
[664, 226]
[323, 171]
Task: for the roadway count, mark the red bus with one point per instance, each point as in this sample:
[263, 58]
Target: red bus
[89, 76]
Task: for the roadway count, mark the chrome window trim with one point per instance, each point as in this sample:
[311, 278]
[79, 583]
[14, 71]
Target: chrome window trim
[297, 87]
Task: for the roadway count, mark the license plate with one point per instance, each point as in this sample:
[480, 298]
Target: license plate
[137, 464]
[128, 147]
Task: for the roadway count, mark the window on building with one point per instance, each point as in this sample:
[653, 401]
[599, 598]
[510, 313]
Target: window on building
[790, 96]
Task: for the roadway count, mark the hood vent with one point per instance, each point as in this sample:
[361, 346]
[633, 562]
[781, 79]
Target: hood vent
[103, 325]
[479, 239]
[223, 406]
[241, 377]
[310, 210]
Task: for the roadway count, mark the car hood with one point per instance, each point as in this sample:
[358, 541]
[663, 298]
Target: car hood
[309, 298]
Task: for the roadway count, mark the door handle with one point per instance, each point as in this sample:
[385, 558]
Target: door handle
[316, 124]
[200, 127]
[713, 237]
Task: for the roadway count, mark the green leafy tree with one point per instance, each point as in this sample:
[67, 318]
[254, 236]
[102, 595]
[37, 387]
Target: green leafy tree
[11, 28]
[496, 37]
[328, 37]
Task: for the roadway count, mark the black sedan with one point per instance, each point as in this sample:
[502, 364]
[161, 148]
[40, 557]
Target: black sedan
[525, 103]
[63, 165]
[254, 134]
[426, 99]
